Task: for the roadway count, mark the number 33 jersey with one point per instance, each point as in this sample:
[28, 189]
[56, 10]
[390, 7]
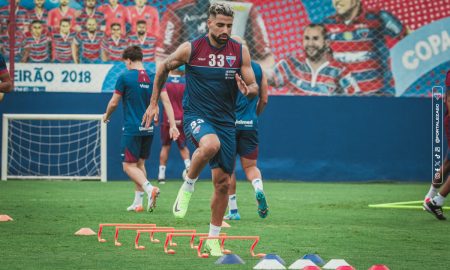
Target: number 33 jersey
[211, 86]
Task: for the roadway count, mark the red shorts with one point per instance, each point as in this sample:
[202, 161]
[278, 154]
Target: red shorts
[166, 140]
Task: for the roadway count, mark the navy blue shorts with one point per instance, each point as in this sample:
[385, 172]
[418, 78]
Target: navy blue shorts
[247, 144]
[135, 148]
[197, 127]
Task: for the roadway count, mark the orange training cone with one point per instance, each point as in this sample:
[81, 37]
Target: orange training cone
[85, 231]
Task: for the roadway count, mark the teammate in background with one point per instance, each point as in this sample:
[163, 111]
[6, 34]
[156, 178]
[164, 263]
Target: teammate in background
[358, 41]
[113, 46]
[134, 86]
[86, 46]
[39, 13]
[247, 112]
[62, 43]
[22, 20]
[434, 200]
[142, 12]
[317, 73]
[185, 20]
[89, 11]
[174, 89]
[114, 13]
[37, 47]
[62, 12]
[214, 63]
[19, 44]
[6, 85]
[144, 40]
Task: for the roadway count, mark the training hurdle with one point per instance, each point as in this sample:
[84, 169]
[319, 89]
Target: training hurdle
[135, 228]
[100, 228]
[225, 251]
[152, 231]
[170, 236]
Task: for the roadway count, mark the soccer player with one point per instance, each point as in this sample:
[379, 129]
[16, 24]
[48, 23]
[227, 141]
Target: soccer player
[6, 85]
[358, 41]
[214, 63]
[174, 89]
[142, 12]
[114, 13]
[19, 45]
[434, 200]
[113, 46]
[317, 73]
[89, 11]
[185, 20]
[89, 42]
[134, 87]
[39, 13]
[247, 112]
[22, 19]
[144, 40]
[63, 11]
[62, 43]
[37, 47]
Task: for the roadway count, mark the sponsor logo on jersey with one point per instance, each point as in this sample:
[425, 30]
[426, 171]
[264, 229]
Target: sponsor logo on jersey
[248, 123]
[141, 85]
[149, 129]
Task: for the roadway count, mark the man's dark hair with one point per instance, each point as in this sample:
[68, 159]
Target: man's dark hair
[321, 25]
[134, 53]
[115, 24]
[220, 8]
[36, 21]
[67, 20]
[141, 22]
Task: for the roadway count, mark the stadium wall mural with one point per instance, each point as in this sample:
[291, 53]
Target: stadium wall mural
[386, 48]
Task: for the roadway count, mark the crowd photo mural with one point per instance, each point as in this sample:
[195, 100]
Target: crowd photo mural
[312, 47]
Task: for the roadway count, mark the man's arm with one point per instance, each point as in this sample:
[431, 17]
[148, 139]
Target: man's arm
[176, 59]
[247, 84]
[173, 131]
[6, 84]
[112, 106]
[75, 52]
[263, 96]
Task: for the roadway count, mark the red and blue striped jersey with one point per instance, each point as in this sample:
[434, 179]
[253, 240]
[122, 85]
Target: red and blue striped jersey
[211, 87]
[62, 47]
[55, 15]
[84, 16]
[43, 17]
[119, 14]
[361, 46]
[148, 14]
[39, 48]
[20, 43]
[298, 77]
[114, 48]
[22, 19]
[89, 46]
[175, 86]
[147, 45]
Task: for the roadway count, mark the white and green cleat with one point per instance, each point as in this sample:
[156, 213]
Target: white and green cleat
[181, 204]
[212, 246]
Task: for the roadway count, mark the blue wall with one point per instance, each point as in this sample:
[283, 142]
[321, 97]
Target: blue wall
[302, 138]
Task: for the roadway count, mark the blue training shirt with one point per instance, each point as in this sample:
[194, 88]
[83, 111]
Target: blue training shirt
[246, 118]
[135, 87]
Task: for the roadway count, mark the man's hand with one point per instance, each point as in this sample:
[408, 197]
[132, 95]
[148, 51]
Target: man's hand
[174, 133]
[151, 114]
[241, 85]
[105, 118]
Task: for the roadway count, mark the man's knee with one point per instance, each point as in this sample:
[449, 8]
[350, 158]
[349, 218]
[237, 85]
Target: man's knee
[222, 185]
[210, 146]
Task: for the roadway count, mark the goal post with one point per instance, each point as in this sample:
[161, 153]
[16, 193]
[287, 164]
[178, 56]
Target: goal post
[54, 146]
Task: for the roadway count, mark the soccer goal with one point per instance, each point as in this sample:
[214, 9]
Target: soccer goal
[53, 146]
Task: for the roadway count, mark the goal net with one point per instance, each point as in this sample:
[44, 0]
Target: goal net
[53, 146]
